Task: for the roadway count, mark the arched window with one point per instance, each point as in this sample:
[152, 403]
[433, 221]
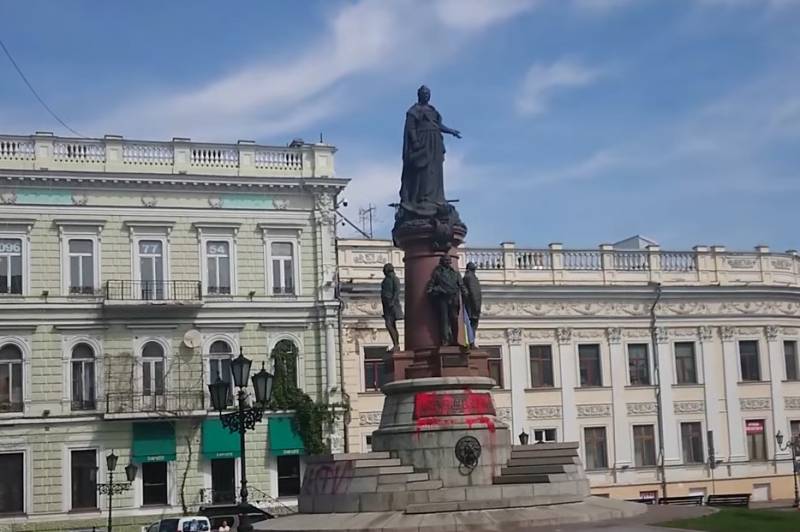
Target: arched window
[10, 378]
[284, 356]
[83, 377]
[152, 369]
[219, 360]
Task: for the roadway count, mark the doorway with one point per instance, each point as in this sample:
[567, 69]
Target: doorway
[223, 480]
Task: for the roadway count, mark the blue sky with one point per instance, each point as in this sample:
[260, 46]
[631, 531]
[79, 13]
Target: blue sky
[584, 121]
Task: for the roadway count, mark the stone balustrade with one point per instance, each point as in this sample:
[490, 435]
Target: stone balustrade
[112, 153]
[361, 261]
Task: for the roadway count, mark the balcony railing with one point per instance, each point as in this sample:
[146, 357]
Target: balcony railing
[180, 156]
[167, 403]
[153, 291]
[10, 406]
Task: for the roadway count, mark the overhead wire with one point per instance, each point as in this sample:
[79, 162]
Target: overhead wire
[34, 92]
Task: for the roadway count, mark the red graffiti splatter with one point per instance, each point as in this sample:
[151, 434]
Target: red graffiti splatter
[466, 403]
[481, 420]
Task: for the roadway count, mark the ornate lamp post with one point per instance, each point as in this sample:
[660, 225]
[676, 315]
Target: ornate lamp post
[794, 445]
[244, 418]
[115, 488]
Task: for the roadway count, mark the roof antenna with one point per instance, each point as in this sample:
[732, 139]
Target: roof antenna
[320, 138]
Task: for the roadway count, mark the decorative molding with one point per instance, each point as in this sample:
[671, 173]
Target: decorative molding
[755, 403]
[491, 334]
[8, 198]
[741, 263]
[772, 332]
[538, 334]
[705, 333]
[504, 415]
[215, 202]
[790, 331]
[636, 333]
[685, 333]
[688, 407]
[280, 204]
[749, 331]
[564, 335]
[791, 403]
[597, 410]
[370, 418]
[588, 334]
[662, 335]
[514, 336]
[782, 264]
[370, 257]
[614, 335]
[727, 332]
[642, 409]
[149, 201]
[323, 205]
[545, 412]
[79, 199]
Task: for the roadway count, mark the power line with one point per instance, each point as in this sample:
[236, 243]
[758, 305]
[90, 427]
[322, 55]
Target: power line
[33, 91]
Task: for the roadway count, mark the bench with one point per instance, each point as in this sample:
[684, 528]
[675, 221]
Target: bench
[690, 500]
[731, 499]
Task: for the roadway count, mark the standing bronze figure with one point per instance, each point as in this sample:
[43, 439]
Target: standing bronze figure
[445, 289]
[390, 301]
[422, 186]
[472, 297]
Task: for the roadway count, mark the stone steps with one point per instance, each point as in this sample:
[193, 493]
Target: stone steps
[343, 457]
[535, 470]
[545, 446]
[521, 479]
[488, 504]
[544, 453]
[552, 460]
[377, 462]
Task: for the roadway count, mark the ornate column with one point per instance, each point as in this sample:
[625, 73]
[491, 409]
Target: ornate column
[736, 440]
[622, 443]
[567, 359]
[672, 454]
[775, 357]
[710, 386]
[519, 380]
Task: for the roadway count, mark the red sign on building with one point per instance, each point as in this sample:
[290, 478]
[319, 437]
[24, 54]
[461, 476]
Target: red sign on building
[754, 427]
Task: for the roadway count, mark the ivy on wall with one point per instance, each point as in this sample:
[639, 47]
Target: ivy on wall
[310, 417]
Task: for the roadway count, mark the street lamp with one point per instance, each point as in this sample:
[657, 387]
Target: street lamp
[794, 445]
[115, 488]
[244, 418]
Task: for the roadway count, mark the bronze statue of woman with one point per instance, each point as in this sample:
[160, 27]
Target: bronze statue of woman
[422, 186]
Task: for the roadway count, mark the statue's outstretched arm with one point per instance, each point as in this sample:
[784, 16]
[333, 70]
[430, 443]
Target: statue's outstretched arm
[444, 129]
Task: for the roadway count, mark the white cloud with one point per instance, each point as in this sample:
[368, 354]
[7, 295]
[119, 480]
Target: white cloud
[542, 81]
[266, 97]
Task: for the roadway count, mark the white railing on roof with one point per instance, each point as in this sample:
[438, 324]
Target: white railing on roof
[215, 157]
[678, 261]
[532, 259]
[151, 154]
[16, 149]
[279, 159]
[631, 260]
[80, 152]
[582, 260]
[485, 259]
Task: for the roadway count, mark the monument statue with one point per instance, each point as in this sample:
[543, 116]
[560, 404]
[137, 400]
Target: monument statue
[445, 289]
[472, 297]
[390, 300]
[422, 184]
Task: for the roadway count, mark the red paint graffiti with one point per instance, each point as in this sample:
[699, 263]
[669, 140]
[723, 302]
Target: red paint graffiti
[328, 478]
[466, 403]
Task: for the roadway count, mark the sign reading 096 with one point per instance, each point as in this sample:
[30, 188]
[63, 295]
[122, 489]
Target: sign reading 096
[10, 247]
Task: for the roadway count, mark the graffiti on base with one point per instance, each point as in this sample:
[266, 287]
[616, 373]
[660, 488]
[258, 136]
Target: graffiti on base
[328, 478]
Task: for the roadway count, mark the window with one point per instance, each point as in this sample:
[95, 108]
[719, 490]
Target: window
[790, 355]
[368, 443]
[10, 266]
[374, 367]
[151, 269]
[288, 476]
[81, 266]
[84, 479]
[10, 378]
[282, 255]
[541, 358]
[495, 363]
[685, 367]
[692, 441]
[649, 494]
[638, 365]
[154, 483]
[12, 489]
[795, 428]
[152, 369]
[220, 355]
[748, 356]
[756, 440]
[644, 445]
[83, 392]
[223, 480]
[595, 442]
[589, 359]
[544, 435]
[218, 264]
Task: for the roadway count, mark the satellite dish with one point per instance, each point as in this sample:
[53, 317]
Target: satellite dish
[192, 339]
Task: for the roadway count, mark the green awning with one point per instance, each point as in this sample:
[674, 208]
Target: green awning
[219, 442]
[153, 442]
[283, 437]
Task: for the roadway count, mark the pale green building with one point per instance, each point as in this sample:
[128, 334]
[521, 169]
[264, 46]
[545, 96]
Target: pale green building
[130, 273]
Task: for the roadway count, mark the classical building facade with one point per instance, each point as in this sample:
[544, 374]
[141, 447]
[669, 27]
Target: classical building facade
[130, 274]
[574, 347]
